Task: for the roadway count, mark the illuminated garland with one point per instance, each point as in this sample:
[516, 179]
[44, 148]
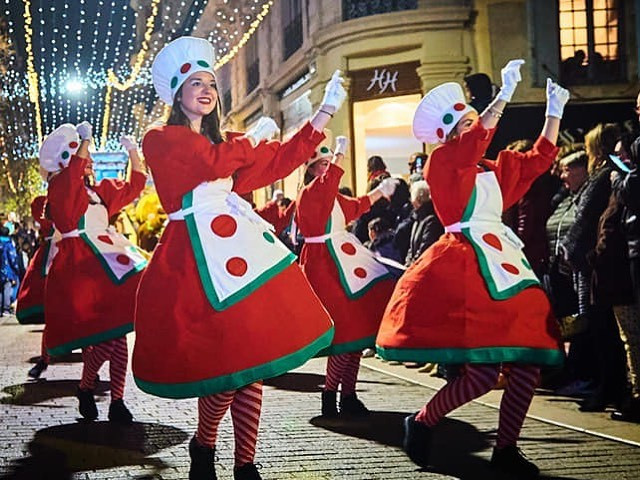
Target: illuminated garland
[113, 79]
[247, 35]
[34, 94]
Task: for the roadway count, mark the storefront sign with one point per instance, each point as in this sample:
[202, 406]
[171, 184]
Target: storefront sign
[385, 81]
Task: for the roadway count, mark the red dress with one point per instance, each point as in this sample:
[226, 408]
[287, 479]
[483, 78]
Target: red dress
[279, 219]
[83, 306]
[356, 319]
[30, 307]
[184, 346]
[441, 309]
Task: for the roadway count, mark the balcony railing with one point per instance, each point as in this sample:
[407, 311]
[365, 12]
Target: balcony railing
[363, 8]
[292, 37]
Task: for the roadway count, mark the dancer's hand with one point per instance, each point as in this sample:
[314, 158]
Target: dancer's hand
[557, 98]
[128, 142]
[510, 79]
[265, 129]
[85, 130]
[334, 94]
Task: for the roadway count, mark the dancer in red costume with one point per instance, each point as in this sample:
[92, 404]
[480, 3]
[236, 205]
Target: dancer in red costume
[30, 308]
[222, 304]
[90, 289]
[472, 297]
[345, 275]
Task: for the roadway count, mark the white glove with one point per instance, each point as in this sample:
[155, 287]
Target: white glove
[334, 92]
[557, 98]
[341, 145]
[388, 186]
[264, 129]
[85, 130]
[128, 142]
[510, 78]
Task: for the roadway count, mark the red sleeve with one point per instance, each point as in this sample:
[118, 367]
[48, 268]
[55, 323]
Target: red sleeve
[67, 197]
[516, 171]
[269, 212]
[353, 208]
[37, 208]
[315, 202]
[451, 171]
[285, 218]
[117, 193]
[181, 159]
[272, 161]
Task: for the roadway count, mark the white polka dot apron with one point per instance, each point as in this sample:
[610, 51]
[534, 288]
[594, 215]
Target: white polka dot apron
[357, 265]
[117, 255]
[235, 249]
[503, 265]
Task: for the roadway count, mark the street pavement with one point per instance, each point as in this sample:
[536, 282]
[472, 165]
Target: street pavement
[42, 438]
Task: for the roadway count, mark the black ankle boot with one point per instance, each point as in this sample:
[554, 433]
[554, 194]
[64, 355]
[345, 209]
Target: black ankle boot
[329, 407]
[119, 413]
[417, 441]
[203, 465]
[512, 461]
[628, 412]
[87, 405]
[37, 369]
[352, 406]
[248, 471]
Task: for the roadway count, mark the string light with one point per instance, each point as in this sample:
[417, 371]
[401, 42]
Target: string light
[34, 94]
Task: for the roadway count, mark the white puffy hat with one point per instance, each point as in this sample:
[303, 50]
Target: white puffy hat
[177, 61]
[438, 112]
[57, 148]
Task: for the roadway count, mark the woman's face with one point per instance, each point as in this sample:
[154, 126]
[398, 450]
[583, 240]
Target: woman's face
[623, 154]
[88, 170]
[319, 168]
[573, 176]
[199, 95]
[464, 123]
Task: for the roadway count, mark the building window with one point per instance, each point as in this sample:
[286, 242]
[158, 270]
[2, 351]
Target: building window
[226, 102]
[363, 8]
[590, 41]
[292, 26]
[252, 63]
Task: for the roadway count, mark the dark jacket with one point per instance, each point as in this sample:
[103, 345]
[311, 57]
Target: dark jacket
[425, 231]
[383, 246]
[581, 238]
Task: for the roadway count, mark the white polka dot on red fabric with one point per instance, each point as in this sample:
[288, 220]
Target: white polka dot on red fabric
[236, 266]
[105, 239]
[510, 268]
[360, 272]
[123, 259]
[224, 226]
[348, 248]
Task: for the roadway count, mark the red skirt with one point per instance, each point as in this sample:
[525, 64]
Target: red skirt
[441, 311]
[30, 307]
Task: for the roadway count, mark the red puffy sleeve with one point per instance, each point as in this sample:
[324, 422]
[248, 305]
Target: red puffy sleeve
[451, 171]
[181, 159]
[516, 171]
[67, 197]
[272, 161]
[117, 193]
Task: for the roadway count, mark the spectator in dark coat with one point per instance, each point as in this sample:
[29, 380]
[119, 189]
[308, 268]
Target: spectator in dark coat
[479, 89]
[381, 239]
[426, 227]
[577, 245]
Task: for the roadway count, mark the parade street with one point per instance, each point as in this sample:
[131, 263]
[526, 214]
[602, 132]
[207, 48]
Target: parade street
[41, 436]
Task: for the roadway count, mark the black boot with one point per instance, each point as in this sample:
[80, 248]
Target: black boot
[119, 413]
[512, 461]
[329, 407]
[37, 369]
[87, 405]
[248, 471]
[417, 441]
[352, 406]
[203, 465]
[628, 412]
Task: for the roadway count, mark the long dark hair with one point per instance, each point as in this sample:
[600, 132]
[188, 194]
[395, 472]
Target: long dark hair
[210, 126]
